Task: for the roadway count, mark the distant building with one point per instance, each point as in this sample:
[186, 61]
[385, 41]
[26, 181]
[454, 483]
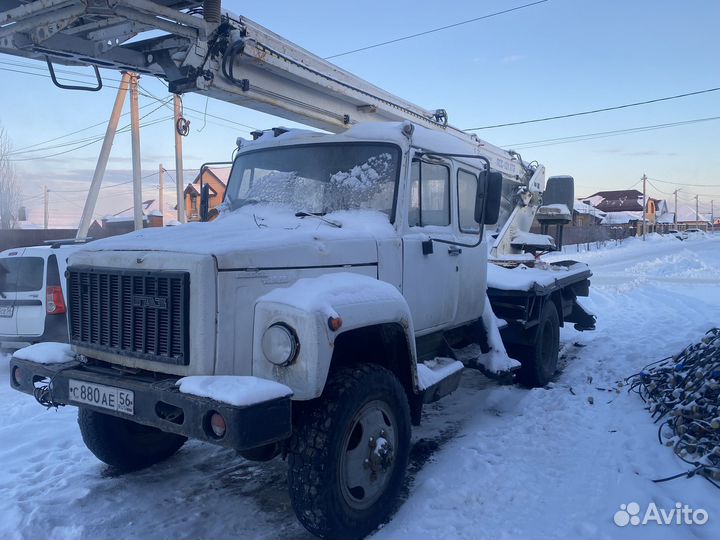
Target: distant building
[585, 215]
[124, 222]
[217, 179]
[626, 207]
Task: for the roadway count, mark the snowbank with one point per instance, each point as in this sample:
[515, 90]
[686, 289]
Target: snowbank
[46, 353]
[233, 390]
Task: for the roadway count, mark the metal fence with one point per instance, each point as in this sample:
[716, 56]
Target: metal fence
[17, 238]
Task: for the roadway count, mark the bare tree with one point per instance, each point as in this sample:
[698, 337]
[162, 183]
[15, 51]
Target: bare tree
[10, 191]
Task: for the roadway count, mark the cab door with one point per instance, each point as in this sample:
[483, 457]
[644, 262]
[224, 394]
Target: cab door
[9, 270]
[430, 269]
[473, 260]
[30, 296]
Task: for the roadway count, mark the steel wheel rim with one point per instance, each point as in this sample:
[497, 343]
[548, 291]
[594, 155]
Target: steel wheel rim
[367, 458]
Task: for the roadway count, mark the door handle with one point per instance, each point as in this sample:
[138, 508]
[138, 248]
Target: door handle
[454, 251]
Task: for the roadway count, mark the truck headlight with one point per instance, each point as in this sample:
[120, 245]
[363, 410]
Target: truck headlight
[280, 344]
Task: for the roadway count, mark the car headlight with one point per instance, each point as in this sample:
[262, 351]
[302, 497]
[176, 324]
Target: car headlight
[280, 344]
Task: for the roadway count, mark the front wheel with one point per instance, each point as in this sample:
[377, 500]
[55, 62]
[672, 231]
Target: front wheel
[124, 444]
[349, 453]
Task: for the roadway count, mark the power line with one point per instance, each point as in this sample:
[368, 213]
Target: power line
[468, 21]
[594, 111]
[152, 123]
[23, 148]
[102, 187]
[48, 77]
[658, 189]
[42, 67]
[204, 113]
[682, 183]
[604, 134]
[94, 138]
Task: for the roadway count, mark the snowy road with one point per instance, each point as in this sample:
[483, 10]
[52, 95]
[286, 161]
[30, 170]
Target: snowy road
[502, 462]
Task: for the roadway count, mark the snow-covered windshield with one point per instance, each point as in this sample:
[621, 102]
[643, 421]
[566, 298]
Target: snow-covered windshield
[319, 178]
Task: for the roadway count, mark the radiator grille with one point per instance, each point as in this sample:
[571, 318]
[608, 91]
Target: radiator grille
[139, 313]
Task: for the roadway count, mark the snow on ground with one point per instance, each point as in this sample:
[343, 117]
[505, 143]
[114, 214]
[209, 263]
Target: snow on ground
[488, 461]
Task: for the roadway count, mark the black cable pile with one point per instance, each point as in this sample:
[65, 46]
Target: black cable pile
[682, 392]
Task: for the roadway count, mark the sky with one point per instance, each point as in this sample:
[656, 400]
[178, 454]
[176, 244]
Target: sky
[554, 58]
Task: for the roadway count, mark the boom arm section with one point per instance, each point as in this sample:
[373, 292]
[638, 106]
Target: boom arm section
[231, 58]
[196, 47]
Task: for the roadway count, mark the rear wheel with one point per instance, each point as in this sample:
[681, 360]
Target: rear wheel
[349, 453]
[539, 360]
[124, 444]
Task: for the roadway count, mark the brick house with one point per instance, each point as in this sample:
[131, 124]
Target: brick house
[217, 179]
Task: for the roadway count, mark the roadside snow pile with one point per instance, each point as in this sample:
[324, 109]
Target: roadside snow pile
[684, 264]
[233, 390]
[46, 353]
[682, 393]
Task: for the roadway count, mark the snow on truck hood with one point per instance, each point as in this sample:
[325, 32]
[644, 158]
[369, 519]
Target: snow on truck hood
[266, 236]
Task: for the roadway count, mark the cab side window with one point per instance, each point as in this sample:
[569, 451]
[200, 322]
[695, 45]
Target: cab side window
[429, 195]
[467, 191]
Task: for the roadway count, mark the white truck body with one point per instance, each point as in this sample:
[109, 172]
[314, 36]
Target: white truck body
[329, 299]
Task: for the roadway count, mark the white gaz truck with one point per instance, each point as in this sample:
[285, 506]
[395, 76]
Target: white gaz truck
[347, 281]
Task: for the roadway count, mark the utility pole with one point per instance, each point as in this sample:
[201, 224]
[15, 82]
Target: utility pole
[136, 163]
[644, 224]
[179, 181]
[712, 215]
[675, 212]
[697, 213]
[161, 194]
[94, 190]
[46, 204]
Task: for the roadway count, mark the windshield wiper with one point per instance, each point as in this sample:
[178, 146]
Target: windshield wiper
[320, 217]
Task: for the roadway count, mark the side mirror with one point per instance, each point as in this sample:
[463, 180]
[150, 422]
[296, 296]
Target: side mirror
[487, 201]
[205, 202]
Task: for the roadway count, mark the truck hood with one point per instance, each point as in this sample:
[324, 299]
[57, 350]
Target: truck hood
[266, 236]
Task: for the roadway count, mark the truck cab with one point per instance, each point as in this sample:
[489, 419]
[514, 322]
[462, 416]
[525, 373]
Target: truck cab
[313, 318]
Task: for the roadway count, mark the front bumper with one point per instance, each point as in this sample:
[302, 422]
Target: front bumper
[158, 403]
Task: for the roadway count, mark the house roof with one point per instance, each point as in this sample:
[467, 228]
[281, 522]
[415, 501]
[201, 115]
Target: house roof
[687, 214]
[620, 218]
[221, 174]
[626, 200]
[583, 208]
[667, 217]
[195, 189]
[613, 195]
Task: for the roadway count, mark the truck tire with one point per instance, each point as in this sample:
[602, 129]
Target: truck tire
[539, 360]
[349, 452]
[123, 444]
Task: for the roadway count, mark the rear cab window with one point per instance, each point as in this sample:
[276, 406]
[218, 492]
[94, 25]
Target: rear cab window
[22, 274]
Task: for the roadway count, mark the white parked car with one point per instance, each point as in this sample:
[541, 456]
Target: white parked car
[32, 295]
[677, 234]
[695, 233]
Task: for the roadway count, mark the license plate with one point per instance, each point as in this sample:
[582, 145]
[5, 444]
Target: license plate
[6, 311]
[100, 395]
